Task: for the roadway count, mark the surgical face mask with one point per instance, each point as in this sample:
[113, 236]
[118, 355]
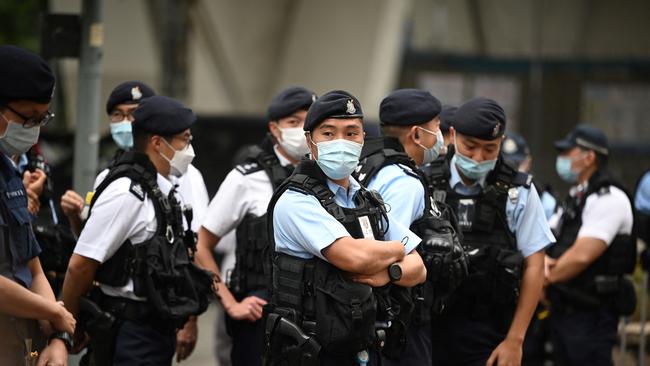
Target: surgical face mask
[563, 168]
[293, 142]
[472, 169]
[122, 134]
[180, 161]
[430, 154]
[17, 139]
[338, 158]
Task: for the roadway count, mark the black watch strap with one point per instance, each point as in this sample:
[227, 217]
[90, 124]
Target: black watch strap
[65, 337]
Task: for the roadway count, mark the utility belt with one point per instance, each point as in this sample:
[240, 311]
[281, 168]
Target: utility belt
[601, 291]
[22, 340]
[101, 316]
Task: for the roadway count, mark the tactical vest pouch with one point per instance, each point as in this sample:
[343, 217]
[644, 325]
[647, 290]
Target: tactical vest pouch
[116, 271]
[508, 276]
[251, 257]
[402, 306]
[174, 286]
[625, 299]
[345, 312]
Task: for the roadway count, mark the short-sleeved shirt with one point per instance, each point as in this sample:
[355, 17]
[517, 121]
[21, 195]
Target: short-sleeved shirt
[18, 244]
[303, 228]
[191, 190]
[118, 215]
[526, 217]
[246, 190]
[605, 214]
[642, 197]
[402, 192]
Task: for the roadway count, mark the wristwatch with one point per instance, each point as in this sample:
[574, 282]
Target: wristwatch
[395, 272]
[65, 337]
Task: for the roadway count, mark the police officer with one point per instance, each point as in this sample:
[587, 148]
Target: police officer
[516, 152]
[26, 86]
[121, 104]
[447, 117]
[334, 242]
[135, 245]
[504, 233]
[390, 164]
[595, 247]
[240, 204]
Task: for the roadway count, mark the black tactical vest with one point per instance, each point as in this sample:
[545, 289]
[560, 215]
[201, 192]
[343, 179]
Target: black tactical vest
[496, 264]
[314, 294]
[162, 267]
[440, 249]
[249, 273]
[603, 277]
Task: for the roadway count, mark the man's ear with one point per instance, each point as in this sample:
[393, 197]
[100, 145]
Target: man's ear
[274, 129]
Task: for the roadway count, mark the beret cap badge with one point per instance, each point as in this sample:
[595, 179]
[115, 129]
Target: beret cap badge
[497, 127]
[136, 93]
[350, 107]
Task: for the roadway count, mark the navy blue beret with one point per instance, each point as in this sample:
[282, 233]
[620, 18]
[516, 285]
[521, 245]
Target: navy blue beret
[24, 75]
[587, 137]
[481, 118]
[447, 117]
[130, 92]
[334, 104]
[162, 116]
[408, 107]
[290, 100]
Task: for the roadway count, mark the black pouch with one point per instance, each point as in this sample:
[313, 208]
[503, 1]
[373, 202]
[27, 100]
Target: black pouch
[402, 307]
[625, 300]
[509, 269]
[345, 312]
[173, 284]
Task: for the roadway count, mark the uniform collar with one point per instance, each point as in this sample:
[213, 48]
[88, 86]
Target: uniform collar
[283, 161]
[165, 184]
[341, 195]
[456, 182]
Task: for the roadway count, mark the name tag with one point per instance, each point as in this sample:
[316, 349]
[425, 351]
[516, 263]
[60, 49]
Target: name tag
[366, 228]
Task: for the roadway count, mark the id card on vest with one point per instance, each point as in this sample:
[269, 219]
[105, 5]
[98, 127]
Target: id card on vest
[366, 228]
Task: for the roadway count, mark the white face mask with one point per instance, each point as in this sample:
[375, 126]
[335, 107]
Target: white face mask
[180, 161]
[17, 139]
[293, 142]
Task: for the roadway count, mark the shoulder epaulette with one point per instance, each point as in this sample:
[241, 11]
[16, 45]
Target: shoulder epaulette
[137, 191]
[249, 167]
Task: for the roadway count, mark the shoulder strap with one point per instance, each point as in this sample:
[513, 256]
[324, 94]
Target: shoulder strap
[270, 163]
[139, 169]
[377, 153]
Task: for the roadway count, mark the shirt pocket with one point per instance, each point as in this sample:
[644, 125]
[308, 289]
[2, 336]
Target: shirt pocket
[22, 237]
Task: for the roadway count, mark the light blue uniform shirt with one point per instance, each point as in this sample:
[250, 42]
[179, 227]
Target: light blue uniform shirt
[642, 198]
[402, 193]
[303, 228]
[526, 217]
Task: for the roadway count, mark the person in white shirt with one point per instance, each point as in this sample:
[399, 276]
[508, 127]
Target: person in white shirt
[595, 248]
[240, 205]
[125, 215]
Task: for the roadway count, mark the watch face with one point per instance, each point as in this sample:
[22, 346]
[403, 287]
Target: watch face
[395, 272]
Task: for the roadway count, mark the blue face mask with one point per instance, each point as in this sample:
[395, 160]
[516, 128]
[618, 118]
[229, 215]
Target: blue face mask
[472, 169]
[563, 168]
[430, 154]
[338, 158]
[122, 135]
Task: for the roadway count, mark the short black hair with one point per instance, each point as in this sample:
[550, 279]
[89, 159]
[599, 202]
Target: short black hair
[140, 139]
[601, 159]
